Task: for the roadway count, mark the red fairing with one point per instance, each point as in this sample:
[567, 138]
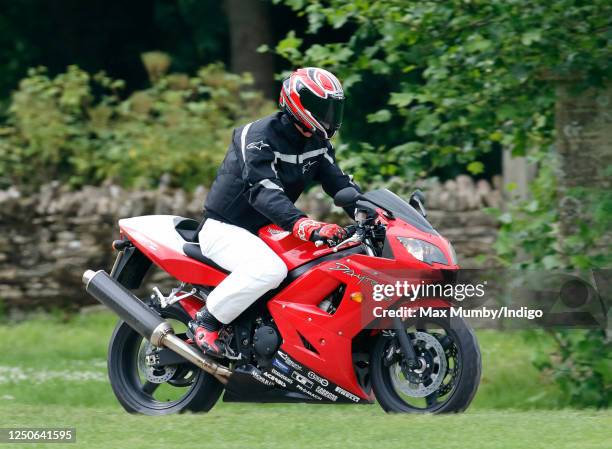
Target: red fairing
[295, 312]
[295, 309]
[167, 255]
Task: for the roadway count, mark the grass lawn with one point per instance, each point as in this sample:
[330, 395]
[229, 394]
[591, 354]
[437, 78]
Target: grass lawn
[52, 373]
[315, 426]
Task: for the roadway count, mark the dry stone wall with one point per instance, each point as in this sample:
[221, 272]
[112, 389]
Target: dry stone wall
[49, 238]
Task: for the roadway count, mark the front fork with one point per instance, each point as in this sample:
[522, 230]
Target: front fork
[404, 342]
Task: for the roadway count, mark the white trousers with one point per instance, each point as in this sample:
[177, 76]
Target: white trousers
[254, 268]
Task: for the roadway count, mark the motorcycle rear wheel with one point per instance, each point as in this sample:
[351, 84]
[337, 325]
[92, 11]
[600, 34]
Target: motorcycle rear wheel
[187, 389]
[449, 368]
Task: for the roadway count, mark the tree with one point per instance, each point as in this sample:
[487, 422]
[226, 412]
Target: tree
[249, 26]
[459, 77]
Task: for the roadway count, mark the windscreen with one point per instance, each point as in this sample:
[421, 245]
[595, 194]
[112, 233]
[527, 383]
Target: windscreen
[401, 209]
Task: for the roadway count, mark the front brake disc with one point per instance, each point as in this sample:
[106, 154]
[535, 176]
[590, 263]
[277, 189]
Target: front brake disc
[427, 378]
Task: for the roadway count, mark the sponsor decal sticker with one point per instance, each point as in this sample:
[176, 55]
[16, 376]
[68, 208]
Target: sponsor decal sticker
[274, 231]
[309, 393]
[326, 394]
[274, 379]
[282, 376]
[290, 361]
[262, 379]
[281, 366]
[318, 378]
[302, 379]
[346, 394]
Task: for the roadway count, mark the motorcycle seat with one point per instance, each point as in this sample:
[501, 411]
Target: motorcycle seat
[193, 250]
[188, 230]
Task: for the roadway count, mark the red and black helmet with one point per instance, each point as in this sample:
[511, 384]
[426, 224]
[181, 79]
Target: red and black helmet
[314, 98]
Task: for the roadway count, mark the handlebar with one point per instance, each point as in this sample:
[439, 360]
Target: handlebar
[351, 232]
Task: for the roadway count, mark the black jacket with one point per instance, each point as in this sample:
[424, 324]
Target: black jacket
[268, 165]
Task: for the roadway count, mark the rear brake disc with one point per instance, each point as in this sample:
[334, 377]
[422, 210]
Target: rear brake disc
[154, 374]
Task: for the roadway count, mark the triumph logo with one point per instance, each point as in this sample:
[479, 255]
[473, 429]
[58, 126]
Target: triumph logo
[275, 231]
[318, 378]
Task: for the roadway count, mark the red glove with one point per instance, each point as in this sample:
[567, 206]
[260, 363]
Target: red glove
[305, 227]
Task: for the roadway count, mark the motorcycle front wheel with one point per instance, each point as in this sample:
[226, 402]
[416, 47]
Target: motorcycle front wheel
[141, 387]
[445, 378]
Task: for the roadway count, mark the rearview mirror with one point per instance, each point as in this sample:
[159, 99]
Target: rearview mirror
[346, 197]
[417, 200]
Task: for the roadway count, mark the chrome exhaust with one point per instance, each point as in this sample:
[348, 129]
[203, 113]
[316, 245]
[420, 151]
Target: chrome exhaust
[146, 322]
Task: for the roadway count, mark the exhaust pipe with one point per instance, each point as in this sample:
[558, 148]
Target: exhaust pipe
[146, 322]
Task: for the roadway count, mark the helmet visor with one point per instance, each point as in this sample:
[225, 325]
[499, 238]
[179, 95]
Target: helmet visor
[327, 111]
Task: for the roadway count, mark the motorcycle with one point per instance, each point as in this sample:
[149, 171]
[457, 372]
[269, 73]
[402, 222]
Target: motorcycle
[307, 340]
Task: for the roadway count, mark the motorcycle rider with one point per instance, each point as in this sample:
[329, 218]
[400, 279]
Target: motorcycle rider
[269, 163]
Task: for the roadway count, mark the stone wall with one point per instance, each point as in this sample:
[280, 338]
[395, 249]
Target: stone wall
[48, 239]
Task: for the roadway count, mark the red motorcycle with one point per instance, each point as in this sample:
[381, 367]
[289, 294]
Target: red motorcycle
[309, 340]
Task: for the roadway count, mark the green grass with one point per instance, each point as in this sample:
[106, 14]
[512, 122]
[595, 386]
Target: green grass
[52, 373]
[46, 348]
[314, 426]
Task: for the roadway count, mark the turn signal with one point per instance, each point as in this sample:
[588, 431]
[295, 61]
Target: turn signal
[357, 297]
[120, 245]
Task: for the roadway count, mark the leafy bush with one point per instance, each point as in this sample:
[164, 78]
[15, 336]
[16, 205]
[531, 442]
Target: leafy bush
[530, 239]
[76, 128]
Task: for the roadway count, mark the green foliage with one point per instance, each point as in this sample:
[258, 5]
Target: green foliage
[530, 239]
[457, 78]
[530, 236]
[529, 229]
[581, 367]
[76, 128]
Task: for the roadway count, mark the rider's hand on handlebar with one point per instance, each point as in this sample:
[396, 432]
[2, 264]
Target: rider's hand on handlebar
[319, 240]
[311, 230]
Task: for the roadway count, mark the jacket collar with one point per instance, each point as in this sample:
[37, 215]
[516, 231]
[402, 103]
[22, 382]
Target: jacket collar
[290, 132]
[296, 138]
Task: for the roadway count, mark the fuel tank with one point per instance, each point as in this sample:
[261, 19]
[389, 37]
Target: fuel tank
[293, 251]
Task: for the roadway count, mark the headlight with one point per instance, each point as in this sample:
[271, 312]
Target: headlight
[423, 251]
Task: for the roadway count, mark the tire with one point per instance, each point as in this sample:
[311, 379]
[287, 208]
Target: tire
[465, 377]
[201, 389]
